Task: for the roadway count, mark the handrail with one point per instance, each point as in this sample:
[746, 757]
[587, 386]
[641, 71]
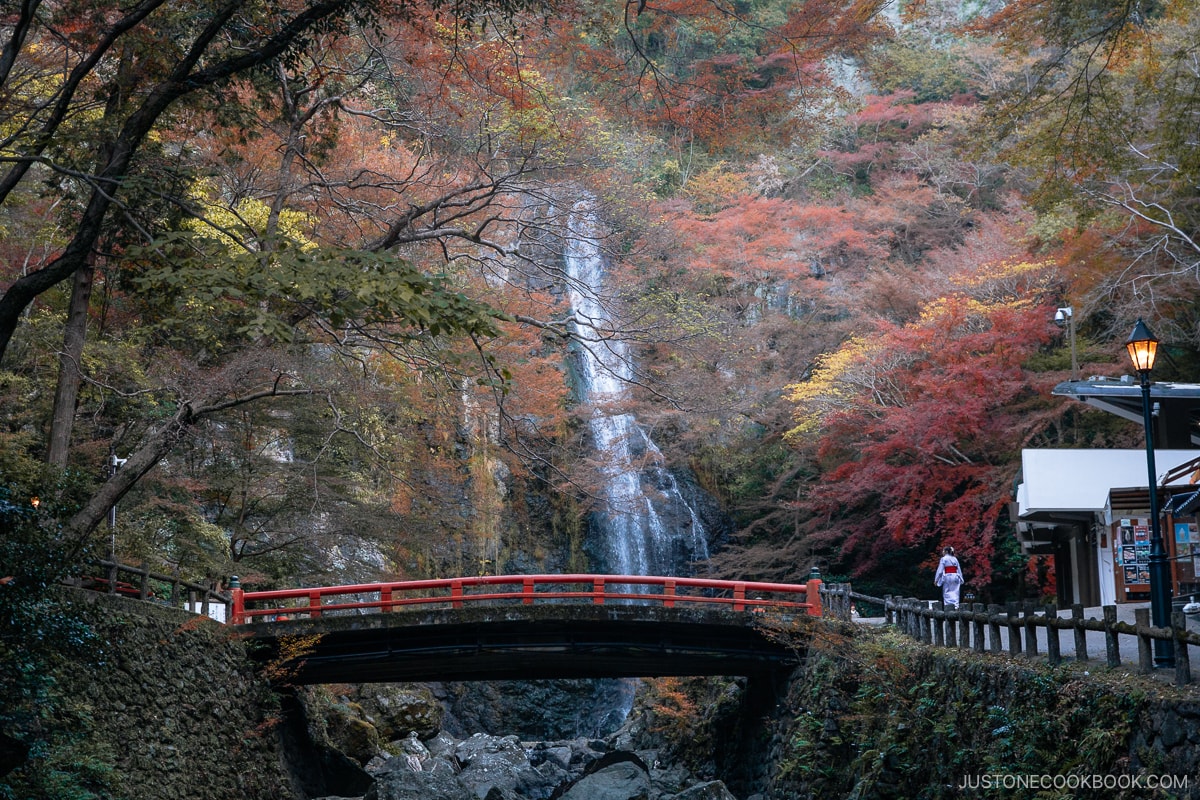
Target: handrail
[741, 595]
[114, 569]
[964, 627]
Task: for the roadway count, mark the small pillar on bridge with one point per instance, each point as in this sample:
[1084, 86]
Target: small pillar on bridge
[237, 605]
[812, 594]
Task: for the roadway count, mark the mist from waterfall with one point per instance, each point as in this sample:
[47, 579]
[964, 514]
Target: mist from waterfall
[648, 526]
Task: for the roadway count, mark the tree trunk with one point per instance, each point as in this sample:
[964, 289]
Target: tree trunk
[69, 372]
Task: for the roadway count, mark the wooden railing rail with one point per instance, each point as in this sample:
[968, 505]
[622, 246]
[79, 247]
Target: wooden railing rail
[524, 589]
[979, 627]
[139, 582]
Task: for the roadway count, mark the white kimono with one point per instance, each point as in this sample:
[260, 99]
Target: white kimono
[950, 578]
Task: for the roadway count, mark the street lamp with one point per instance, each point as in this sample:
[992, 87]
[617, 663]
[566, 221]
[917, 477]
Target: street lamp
[1065, 317]
[1143, 347]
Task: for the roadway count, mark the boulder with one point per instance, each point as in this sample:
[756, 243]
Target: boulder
[713, 790]
[407, 778]
[398, 709]
[624, 780]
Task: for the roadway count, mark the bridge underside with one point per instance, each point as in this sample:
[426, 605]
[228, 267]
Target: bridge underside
[524, 642]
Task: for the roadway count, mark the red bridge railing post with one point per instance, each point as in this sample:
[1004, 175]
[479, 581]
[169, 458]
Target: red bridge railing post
[598, 592]
[314, 604]
[385, 599]
[456, 592]
[812, 596]
[237, 601]
[739, 597]
[527, 591]
[669, 594]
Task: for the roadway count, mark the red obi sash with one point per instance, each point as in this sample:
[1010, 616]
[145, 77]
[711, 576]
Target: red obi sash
[950, 569]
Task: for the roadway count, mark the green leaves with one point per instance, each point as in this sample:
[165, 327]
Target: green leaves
[210, 292]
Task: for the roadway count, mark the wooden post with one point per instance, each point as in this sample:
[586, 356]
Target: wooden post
[889, 613]
[1183, 664]
[939, 634]
[1053, 654]
[926, 621]
[739, 597]
[1141, 621]
[948, 620]
[527, 591]
[964, 627]
[669, 594]
[1014, 630]
[314, 604]
[598, 592]
[144, 590]
[993, 612]
[1031, 643]
[977, 611]
[385, 599]
[1112, 647]
[1081, 647]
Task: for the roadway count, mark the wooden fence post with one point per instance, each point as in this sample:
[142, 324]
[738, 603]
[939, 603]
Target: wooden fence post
[977, 611]
[1053, 654]
[1081, 647]
[1031, 642]
[1141, 622]
[1183, 663]
[945, 618]
[939, 633]
[1014, 630]
[1112, 647]
[993, 612]
[964, 627]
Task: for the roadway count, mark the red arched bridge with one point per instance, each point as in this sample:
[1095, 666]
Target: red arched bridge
[523, 627]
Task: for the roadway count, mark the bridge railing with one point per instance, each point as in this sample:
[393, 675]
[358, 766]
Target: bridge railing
[670, 592]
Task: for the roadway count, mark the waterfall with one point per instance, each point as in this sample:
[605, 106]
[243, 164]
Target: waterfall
[648, 526]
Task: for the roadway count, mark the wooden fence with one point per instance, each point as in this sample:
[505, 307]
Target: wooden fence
[978, 627]
[134, 582]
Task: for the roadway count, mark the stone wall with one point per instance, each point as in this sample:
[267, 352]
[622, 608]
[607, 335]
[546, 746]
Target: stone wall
[156, 702]
[872, 714]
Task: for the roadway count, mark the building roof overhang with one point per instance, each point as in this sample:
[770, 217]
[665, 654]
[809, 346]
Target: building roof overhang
[1123, 397]
[1062, 484]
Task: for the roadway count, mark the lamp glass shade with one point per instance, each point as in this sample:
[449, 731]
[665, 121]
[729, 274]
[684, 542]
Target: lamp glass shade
[1142, 347]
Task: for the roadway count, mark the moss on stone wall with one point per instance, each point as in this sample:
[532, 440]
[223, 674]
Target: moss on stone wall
[873, 715]
[151, 702]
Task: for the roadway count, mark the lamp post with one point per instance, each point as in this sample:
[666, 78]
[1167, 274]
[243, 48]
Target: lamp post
[1065, 317]
[1143, 347]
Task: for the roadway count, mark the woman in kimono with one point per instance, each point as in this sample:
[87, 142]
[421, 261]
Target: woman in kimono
[949, 577]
